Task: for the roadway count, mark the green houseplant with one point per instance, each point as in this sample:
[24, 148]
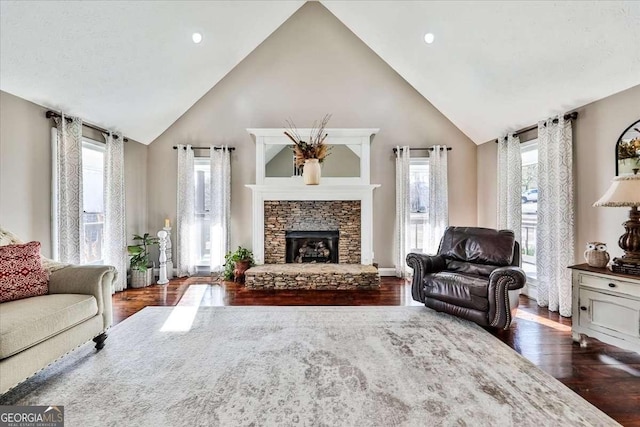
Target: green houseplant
[141, 266]
[236, 263]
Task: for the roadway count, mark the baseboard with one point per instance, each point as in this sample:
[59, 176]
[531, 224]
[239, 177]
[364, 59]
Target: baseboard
[156, 272]
[387, 271]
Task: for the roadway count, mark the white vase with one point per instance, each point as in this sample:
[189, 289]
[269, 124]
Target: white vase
[311, 172]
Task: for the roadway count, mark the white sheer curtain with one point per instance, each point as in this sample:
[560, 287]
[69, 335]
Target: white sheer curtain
[403, 164]
[67, 190]
[555, 230]
[115, 239]
[510, 185]
[438, 209]
[220, 205]
[186, 216]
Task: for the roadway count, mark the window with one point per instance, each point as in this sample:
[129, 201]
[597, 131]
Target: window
[419, 201]
[529, 152]
[202, 170]
[92, 202]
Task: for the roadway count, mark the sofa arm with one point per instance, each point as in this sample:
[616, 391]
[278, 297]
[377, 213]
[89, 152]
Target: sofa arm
[501, 281]
[422, 265]
[96, 280]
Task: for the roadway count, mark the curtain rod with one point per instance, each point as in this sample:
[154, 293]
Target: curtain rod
[50, 114]
[395, 150]
[175, 147]
[568, 116]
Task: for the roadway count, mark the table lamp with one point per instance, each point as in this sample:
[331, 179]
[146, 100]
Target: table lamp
[625, 192]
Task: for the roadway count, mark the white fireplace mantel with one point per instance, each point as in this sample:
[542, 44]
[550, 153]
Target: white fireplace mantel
[293, 189]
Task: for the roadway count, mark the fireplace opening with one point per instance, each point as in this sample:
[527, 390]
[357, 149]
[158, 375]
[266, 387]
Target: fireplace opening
[312, 246]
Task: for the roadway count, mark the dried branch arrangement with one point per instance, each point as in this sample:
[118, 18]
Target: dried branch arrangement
[314, 148]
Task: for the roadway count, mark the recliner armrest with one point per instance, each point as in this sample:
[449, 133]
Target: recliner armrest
[95, 280]
[422, 265]
[501, 281]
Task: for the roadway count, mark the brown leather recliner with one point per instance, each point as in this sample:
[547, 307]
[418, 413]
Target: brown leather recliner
[476, 275]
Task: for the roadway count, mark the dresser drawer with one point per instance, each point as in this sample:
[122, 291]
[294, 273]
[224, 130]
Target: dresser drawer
[609, 284]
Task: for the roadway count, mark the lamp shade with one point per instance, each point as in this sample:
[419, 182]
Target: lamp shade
[623, 192]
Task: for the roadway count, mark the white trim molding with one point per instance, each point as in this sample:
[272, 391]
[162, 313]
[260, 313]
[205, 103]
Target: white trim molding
[387, 271]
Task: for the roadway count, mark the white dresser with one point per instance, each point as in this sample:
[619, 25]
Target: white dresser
[606, 306]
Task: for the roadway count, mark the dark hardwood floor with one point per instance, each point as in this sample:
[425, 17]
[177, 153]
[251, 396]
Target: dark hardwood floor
[604, 375]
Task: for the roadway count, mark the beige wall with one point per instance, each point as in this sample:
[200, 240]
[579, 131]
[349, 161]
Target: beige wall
[25, 173]
[313, 65]
[25, 170]
[595, 134]
[487, 185]
[135, 176]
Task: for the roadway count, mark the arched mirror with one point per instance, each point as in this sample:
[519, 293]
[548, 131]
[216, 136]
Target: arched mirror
[628, 151]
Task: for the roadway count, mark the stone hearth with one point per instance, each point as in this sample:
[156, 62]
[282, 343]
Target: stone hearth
[312, 276]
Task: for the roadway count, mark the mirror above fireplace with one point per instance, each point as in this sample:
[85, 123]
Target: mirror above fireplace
[348, 162]
[342, 162]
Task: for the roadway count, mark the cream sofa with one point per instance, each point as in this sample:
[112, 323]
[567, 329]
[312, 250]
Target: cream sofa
[36, 331]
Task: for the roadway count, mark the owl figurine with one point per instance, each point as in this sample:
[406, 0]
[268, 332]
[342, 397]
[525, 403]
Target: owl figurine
[596, 254]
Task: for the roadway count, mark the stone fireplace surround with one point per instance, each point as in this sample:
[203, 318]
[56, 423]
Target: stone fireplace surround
[281, 216]
[361, 224]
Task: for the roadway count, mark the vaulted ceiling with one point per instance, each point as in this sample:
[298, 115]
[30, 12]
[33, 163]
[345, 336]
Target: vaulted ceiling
[494, 66]
[129, 64]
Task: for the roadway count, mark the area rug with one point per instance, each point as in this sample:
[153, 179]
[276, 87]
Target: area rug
[302, 366]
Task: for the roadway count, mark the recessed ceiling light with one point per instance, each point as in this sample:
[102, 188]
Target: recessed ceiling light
[428, 38]
[196, 37]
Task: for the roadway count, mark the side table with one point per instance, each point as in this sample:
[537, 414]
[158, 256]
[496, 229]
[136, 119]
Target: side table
[606, 306]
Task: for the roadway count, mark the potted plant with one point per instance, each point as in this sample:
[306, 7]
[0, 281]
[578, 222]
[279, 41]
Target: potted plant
[236, 263]
[141, 267]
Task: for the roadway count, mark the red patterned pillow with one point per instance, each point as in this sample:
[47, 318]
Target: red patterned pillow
[21, 272]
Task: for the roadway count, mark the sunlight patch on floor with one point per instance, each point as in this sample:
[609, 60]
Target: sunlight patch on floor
[182, 316]
[543, 321]
[214, 297]
[613, 363]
